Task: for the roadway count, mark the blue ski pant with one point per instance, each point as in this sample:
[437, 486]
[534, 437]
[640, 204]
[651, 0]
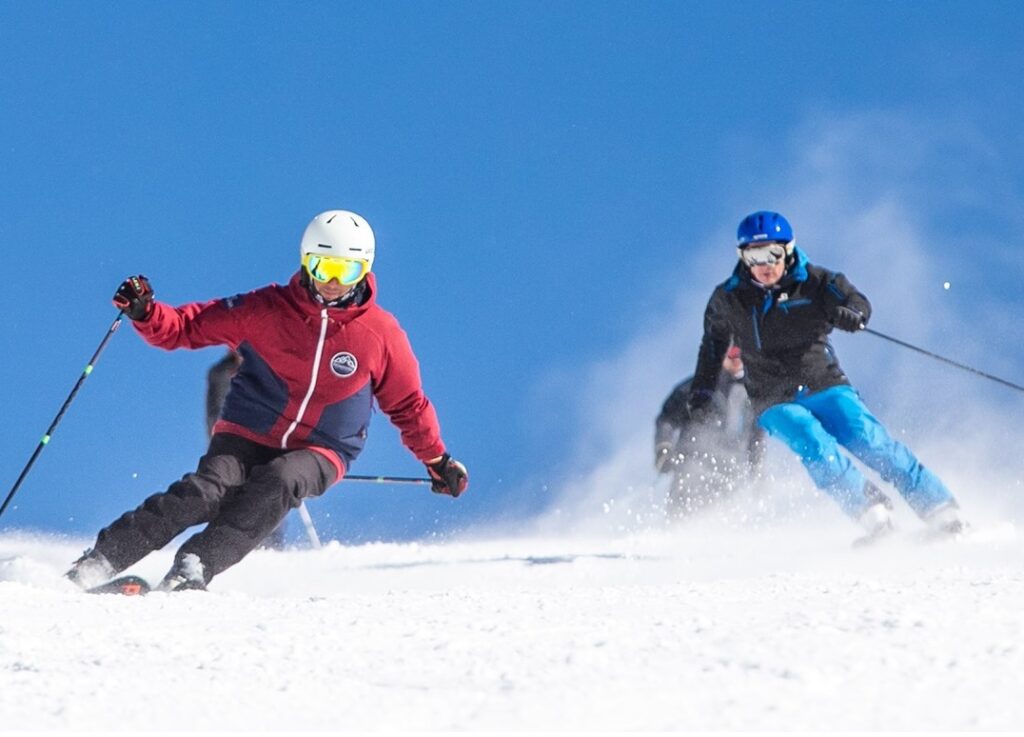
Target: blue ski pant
[815, 425]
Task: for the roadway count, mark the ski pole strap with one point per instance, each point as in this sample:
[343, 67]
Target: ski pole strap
[387, 479]
[951, 362]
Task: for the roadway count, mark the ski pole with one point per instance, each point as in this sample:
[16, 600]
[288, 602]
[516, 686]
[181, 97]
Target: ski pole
[67, 402]
[307, 521]
[388, 479]
[937, 357]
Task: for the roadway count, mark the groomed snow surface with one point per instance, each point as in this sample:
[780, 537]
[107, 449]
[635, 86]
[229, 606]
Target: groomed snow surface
[705, 626]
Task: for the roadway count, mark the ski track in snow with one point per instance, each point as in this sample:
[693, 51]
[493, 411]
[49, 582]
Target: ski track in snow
[703, 628]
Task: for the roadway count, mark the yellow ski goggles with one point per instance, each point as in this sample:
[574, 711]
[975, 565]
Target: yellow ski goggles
[325, 268]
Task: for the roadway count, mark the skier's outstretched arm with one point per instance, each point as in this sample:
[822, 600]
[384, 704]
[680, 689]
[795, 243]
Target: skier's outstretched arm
[195, 325]
[399, 392]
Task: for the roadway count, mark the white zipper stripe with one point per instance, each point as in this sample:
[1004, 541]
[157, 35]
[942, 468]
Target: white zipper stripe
[312, 379]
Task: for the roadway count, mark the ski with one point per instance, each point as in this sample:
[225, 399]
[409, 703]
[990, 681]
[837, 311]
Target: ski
[967, 534]
[125, 585]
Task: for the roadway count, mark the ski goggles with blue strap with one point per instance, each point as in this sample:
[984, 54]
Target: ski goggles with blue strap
[325, 268]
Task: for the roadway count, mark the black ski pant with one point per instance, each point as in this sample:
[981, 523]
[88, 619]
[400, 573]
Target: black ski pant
[241, 489]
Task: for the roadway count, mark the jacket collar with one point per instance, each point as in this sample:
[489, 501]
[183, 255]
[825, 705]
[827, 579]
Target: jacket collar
[304, 301]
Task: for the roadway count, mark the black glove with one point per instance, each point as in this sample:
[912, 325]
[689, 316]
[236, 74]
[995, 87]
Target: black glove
[448, 476]
[135, 298]
[663, 457]
[848, 319]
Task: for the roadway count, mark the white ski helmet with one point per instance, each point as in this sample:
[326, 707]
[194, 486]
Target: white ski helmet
[339, 234]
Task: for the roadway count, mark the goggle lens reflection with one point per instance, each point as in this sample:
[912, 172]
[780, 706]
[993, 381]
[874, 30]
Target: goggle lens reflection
[766, 255]
[325, 268]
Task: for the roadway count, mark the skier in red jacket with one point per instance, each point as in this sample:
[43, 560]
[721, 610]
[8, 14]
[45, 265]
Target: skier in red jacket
[316, 353]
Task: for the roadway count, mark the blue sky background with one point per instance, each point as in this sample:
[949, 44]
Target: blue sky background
[554, 188]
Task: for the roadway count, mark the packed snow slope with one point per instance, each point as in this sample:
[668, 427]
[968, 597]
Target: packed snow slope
[708, 625]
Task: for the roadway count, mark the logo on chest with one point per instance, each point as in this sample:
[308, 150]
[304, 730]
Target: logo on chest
[343, 364]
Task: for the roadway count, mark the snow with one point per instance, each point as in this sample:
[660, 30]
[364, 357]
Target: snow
[706, 626]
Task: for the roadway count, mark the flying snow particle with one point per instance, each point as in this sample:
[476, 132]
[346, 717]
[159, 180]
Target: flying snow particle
[945, 285]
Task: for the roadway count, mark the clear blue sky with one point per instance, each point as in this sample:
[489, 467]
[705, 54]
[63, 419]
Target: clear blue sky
[544, 179]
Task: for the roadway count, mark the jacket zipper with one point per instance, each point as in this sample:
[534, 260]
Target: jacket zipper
[312, 379]
[757, 330]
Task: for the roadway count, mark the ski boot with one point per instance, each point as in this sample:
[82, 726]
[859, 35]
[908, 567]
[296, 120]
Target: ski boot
[874, 495]
[185, 575]
[945, 522]
[91, 570]
[877, 524]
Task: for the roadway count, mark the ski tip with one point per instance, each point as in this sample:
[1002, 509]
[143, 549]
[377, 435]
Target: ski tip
[125, 586]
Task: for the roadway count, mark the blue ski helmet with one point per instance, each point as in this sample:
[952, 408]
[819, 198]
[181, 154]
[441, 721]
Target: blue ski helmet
[763, 227]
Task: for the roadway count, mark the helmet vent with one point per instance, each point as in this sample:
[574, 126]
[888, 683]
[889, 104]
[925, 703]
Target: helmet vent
[331, 218]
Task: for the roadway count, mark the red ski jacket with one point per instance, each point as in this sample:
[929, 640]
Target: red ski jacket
[309, 373]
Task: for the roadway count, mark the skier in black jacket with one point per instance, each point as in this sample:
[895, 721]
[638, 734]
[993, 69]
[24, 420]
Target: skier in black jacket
[708, 460]
[779, 309]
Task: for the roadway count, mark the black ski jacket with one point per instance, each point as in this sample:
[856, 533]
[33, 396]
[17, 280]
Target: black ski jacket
[782, 331]
[674, 426]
